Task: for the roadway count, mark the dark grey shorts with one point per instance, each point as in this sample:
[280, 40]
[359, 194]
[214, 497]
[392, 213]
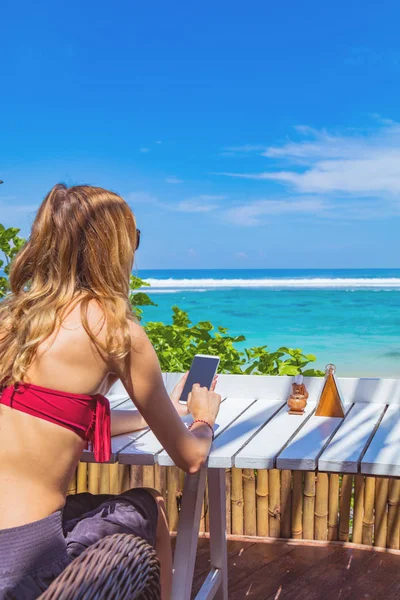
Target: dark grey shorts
[33, 555]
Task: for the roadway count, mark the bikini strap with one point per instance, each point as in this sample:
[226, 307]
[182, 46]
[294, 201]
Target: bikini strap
[102, 430]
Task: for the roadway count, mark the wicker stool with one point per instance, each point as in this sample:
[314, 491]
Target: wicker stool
[118, 567]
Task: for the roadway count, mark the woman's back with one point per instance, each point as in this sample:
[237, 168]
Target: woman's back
[67, 317]
[37, 457]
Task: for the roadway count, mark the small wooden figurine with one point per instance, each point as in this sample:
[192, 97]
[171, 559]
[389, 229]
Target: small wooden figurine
[297, 400]
[330, 402]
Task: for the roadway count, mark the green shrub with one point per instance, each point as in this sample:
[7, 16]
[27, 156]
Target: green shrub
[10, 243]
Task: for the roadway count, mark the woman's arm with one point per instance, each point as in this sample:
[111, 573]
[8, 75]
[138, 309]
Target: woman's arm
[143, 381]
[126, 421]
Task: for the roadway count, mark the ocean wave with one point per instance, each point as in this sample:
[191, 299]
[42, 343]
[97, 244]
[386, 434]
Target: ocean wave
[311, 283]
[154, 290]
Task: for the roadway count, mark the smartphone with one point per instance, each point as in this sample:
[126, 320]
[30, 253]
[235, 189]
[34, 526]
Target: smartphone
[202, 371]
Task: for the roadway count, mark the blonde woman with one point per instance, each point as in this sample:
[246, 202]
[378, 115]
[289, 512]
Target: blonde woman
[67, 333]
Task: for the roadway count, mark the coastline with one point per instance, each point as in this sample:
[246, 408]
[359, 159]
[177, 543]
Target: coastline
[357, 328]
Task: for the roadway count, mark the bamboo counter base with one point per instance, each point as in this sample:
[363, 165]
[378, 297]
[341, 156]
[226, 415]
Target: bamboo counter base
[272, 503]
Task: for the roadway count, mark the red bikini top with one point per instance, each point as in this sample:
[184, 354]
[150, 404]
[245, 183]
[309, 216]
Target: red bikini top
[87, 416]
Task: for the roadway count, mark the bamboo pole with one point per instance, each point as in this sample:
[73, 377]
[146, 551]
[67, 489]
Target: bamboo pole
[381, 498]
[202, 527]
[333, 507]
[148, 477]
[228, 501]
[135, 476]
[123, 478]
[345, 500]
[308, 505]
[94, 478]
[72, 488]
[82, 478]
[206, 510]
[321, 507]
[368, 520]
[249, 497]
[114, 479]
[237, 501]
[393, 523]
[160, 481]
[359, 492]
[274, 503]
[297, 505]
[181, 481]
[104, 476]
[262, 502]
[172, 503]
[286, 503]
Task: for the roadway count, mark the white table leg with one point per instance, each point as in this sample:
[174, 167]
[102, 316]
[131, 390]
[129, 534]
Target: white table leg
[188, 534]
[218, 542]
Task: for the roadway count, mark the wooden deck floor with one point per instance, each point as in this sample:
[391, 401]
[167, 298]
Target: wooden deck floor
[283, 570]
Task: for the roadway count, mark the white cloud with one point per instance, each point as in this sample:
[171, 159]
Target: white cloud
[144, 150]
[13, 207]
[251, 213]
[141, 198]
[208, 197]
[226, 153]
[366, 177]
[173, 180]
[254, 212]
[199, 204]
[158, 142]
[241, 255]
[355, 163]
[245, 148]
[29, 209]
[366, 56]
[202, 203]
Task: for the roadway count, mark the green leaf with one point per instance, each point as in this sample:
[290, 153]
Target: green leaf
[10, 243]
[313, 373]
[141, 299]
[288, 370]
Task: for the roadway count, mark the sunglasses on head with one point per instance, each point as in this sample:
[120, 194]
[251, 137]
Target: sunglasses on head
[137, 239]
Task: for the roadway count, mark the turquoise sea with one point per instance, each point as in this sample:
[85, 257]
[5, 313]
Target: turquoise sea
[348, 317]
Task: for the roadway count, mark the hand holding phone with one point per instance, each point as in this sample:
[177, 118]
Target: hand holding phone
[202, 372]
[203, 404]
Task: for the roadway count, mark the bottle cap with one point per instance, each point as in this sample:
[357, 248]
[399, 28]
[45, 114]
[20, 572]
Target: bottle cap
[330, 369]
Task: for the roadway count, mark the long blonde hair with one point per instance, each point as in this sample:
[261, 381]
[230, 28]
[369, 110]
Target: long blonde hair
[81, 248]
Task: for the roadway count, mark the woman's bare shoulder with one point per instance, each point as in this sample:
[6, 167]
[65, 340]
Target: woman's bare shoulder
[138, 335]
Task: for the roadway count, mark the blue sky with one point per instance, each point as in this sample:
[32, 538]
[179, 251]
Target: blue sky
[244, 135]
